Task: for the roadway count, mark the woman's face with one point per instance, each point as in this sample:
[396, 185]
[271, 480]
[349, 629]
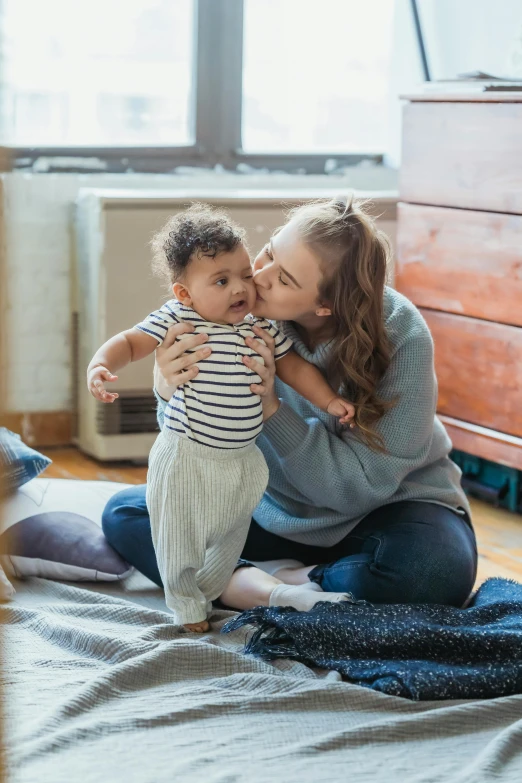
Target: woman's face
[287, 275]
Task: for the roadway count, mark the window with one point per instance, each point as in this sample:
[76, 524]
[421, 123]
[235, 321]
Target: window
[154, 84]
[97, 73]
[316, 75]
[472, 35]
[132, 118]
[38, 109]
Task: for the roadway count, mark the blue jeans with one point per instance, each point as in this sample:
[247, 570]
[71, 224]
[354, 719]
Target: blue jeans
[407, 552]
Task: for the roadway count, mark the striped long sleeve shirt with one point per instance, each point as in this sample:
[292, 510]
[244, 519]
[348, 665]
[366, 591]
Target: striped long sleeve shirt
[217, 408]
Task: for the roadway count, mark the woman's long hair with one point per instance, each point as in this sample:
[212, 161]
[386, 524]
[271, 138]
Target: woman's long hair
[355, 255]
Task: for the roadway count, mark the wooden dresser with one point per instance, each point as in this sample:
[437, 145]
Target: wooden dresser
[459, 259]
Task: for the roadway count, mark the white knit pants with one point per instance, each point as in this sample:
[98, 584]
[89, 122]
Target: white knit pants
[200, 502]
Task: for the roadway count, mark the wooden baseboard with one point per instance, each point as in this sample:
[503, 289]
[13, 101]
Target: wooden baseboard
[53, 428]
[485, 443]
[6, 159]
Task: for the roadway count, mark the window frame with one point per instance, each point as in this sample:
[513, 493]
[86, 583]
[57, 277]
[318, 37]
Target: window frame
[215, 122]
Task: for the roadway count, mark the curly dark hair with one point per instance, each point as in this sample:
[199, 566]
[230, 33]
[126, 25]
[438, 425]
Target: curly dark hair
[198, 231]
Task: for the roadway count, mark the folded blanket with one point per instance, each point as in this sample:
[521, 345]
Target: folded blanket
[417, 651]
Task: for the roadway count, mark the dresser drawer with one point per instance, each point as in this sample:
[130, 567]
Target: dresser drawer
[461, 261]
[463, 155]
[479, 369]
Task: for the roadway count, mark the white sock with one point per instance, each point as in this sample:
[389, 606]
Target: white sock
[303, 597]
[273, 566]
[310, 586]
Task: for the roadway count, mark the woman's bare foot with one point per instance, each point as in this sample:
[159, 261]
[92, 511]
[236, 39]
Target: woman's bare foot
[197, 627]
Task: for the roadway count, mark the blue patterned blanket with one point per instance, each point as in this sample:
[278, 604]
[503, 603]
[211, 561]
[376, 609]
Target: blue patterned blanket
[417, 651]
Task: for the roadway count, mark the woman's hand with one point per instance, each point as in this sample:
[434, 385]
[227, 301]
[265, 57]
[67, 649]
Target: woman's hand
[266, 372]
[173, 366]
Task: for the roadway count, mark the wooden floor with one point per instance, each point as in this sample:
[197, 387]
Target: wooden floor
[499, 532]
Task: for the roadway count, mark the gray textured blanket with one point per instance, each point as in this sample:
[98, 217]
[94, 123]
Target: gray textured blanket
[106, 688]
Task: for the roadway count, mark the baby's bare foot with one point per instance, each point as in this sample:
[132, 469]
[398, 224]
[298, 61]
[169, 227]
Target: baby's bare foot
[197, 627]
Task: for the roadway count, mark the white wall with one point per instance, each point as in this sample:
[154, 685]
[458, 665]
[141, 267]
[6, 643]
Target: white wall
[38, 243]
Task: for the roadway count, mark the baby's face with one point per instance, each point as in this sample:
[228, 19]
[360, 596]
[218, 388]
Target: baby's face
[220, 289]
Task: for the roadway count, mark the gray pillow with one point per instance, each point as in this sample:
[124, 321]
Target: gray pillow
[19, 463]
[52, 529]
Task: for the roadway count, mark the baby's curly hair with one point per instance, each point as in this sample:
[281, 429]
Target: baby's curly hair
[200, 230]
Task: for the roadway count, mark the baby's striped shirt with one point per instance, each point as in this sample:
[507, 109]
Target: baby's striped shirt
[217, 407]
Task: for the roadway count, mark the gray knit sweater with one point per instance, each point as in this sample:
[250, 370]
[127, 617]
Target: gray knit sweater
[323, 480]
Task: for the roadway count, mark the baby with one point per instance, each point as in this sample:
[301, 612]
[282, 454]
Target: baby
[206, 474]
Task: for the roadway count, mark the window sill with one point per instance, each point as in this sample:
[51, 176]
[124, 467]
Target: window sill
[166, 160]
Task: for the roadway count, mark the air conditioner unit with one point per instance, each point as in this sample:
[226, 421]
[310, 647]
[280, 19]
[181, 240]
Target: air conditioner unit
[114, 289]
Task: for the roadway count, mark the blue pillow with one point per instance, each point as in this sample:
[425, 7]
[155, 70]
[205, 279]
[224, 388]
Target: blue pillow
[18, 463]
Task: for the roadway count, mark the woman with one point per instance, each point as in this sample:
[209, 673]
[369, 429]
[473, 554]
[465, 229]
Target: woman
[376, 511]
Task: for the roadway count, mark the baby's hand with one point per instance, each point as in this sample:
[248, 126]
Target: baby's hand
[95, 382]
[343, 409]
